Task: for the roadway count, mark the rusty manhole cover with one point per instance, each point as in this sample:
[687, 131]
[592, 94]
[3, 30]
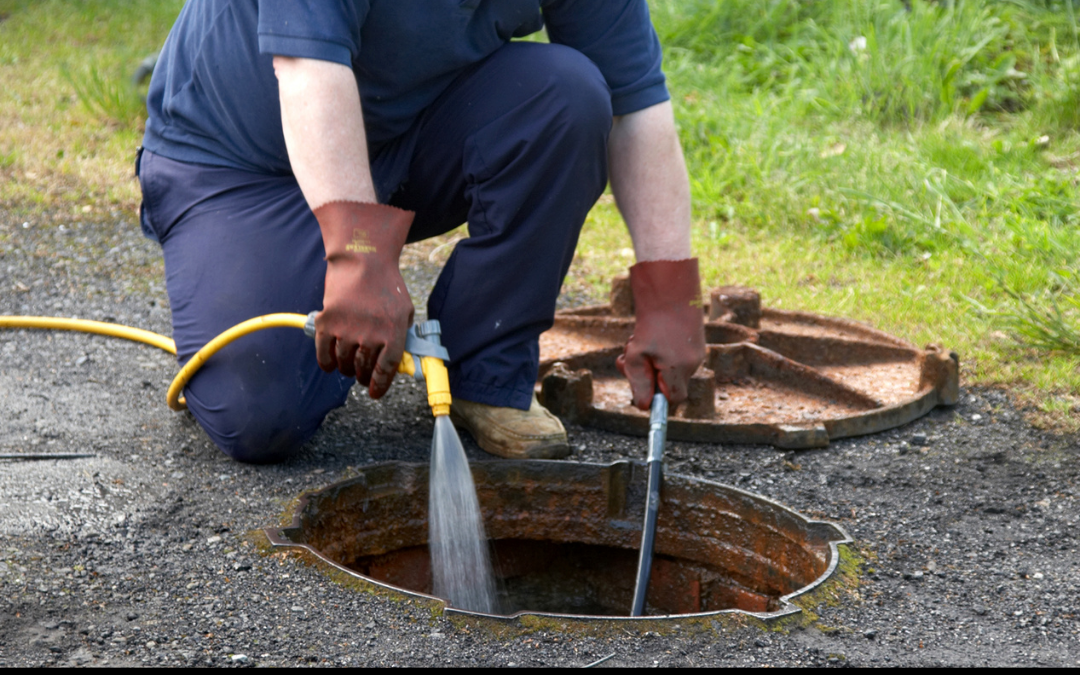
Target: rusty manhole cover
[790, 379]
[564, 539]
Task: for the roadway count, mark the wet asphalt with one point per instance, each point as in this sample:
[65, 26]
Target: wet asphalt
[965, 522]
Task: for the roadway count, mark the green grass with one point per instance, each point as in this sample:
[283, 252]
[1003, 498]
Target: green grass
[69, 118]
[1049, 324]
[915, 170]
[111, 97]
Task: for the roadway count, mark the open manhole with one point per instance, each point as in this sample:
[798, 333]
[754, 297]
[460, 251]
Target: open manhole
[789, 379]
[564, 538]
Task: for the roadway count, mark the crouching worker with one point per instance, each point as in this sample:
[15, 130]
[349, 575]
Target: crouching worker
[293, 148]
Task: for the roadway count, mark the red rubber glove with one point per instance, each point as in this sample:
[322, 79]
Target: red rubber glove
[366, 306]
[668, 343]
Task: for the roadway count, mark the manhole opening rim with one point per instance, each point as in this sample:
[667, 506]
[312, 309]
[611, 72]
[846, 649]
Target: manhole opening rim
[281, 537]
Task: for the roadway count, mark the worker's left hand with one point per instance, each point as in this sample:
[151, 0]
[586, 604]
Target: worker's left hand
[668, 343]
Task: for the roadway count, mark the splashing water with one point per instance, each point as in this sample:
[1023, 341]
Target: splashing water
[460, 563]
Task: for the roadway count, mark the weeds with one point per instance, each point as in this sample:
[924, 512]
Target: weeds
[1051, 325]
[1059, 99]
[111, 96]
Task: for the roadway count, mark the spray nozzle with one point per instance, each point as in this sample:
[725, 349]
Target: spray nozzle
[423, 342]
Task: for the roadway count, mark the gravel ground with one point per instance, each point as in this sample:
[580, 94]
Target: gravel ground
[966, 519]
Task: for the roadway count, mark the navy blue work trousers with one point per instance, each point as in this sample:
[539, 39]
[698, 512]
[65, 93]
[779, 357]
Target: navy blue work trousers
[516, 147]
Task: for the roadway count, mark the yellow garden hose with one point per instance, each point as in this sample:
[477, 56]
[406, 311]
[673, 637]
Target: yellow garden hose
[433, 369]
[85, 326]
[210, 348]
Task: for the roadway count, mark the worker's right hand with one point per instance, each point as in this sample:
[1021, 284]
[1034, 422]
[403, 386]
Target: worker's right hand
[367, 310]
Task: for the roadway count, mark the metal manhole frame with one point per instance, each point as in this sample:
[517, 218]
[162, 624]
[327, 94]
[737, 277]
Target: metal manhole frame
[290, 537]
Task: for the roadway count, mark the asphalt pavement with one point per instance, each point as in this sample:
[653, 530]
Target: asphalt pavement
[965, 522]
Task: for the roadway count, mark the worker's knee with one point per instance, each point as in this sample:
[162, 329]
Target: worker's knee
[259, 409]
[551, 91]
[580, 95]
[554, 127]
[251, 431]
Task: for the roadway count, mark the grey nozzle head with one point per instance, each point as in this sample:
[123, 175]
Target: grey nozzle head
[429, 330]
[423, 340]
[309, 325]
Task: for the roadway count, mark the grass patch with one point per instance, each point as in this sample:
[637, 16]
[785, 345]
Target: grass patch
[110, 97]
[70, 119]
[1052, 325]
[916, 170]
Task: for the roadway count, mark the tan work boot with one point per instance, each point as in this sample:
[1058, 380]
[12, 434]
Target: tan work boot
[511, 433]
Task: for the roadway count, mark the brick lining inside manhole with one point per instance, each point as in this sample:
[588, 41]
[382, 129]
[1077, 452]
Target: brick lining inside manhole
[565, 538]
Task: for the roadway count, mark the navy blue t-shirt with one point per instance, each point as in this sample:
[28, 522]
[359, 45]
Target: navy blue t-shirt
[214, 98]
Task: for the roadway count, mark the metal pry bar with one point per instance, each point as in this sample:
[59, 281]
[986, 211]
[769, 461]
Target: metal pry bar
[657, 436]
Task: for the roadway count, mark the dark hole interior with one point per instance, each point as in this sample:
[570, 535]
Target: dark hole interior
[578, 578]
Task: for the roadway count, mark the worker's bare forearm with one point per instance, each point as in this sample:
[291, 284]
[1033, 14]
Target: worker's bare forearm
[650, 184]
[324, 130]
